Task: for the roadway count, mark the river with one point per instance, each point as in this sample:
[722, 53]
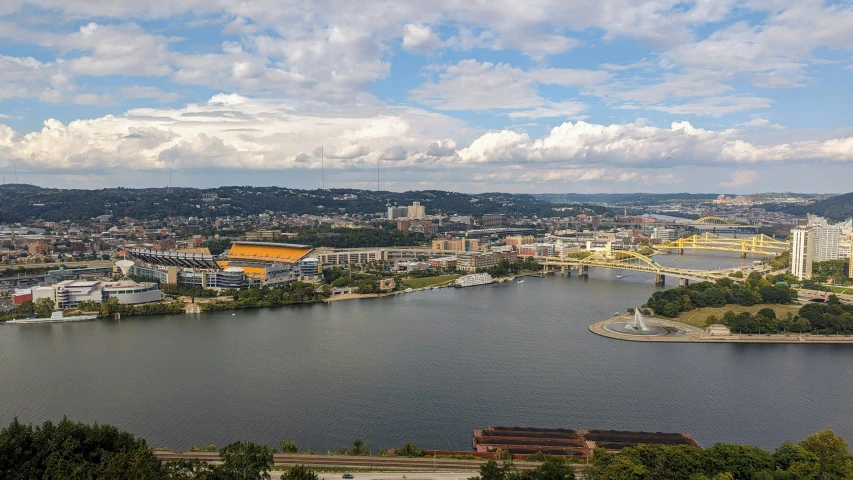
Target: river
[427, 367]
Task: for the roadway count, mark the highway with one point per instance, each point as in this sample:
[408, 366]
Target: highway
[89, 263]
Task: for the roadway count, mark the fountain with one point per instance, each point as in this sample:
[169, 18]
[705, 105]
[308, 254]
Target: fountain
[638, 327]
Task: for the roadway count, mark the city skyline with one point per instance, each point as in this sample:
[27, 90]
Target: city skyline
[736, 97]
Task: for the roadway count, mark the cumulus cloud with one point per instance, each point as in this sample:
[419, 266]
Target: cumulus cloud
[394, 153]
[471, 85]
[420, 39]
[741, 178]
[441, 148]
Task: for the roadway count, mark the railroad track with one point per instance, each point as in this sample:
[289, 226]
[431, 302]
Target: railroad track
[422, 463]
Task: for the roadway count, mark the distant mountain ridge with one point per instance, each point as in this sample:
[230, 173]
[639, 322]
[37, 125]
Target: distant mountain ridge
[21, 202]
[837, 208]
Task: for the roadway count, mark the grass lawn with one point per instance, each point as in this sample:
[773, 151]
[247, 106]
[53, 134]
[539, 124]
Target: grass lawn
[698, 317]
[837, 289]
[429, 281]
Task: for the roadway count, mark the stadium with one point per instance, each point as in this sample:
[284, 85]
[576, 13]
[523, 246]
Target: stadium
[246, 264]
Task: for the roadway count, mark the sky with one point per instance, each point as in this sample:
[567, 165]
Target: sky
[535, 96]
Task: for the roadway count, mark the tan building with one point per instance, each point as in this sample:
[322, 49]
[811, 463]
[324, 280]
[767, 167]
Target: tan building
[443, 263]
[345, 257]
[456, 245]
[39, 247]
[517, 240]
[472, 261]
[263, 235]
[416, 211]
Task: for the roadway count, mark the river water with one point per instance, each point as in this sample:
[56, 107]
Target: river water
[427, 367]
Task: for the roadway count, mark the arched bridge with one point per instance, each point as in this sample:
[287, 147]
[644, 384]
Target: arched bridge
[719, 223]
[759, 244]
[628, 260]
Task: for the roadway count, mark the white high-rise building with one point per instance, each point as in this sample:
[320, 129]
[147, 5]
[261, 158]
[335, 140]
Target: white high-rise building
[802, 246]
[417, 211]
[826, 243]
[826, 236]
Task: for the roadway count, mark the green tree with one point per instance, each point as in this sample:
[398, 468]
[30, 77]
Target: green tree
[44, 307]
[299, 472]
[410, 450]
[795, 462]
[832, 452]
[288, 446]
[245, 461]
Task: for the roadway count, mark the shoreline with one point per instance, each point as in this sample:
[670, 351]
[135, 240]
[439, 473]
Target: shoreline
[696, 335]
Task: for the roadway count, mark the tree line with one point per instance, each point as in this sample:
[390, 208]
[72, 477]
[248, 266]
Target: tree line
[822, 456]
[266, 296]
[753, 291]
[72, 450]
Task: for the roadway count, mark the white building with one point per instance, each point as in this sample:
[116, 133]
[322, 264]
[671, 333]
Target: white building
[416, 211]
[664, 234]
[802, 248]
[826, 243]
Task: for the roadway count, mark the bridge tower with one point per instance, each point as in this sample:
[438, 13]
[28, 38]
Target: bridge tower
[660, 279]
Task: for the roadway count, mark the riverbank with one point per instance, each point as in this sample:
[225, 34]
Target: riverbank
[693, 334]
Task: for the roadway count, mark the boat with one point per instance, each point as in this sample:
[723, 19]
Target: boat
[521, 281]
[474, 280]
[56, 317]
[619, 276]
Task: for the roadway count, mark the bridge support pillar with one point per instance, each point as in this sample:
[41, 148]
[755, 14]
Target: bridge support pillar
[681, 251]
[583, 271]
[743, 255]
[683, 282]
[660, 279]
[563, 270]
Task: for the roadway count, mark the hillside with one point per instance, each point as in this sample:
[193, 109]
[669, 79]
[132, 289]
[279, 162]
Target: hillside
[19, 203]
[837, 208]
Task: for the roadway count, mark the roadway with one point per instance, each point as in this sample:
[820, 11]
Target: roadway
[91, 263]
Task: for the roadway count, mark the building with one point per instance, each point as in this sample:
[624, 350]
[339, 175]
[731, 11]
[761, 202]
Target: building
[850, 263]
[396, 212]
[443, 263]
[455, 245]
[802, 248]
[247, 264]
[416, 211]
[263, 235]
[537, 250]
[826, 243]
[664, 234]
[826, 237]
[70, 293]
[39, 247]
[494, 220]
[327, 256]
[518, 240]
[472, 261]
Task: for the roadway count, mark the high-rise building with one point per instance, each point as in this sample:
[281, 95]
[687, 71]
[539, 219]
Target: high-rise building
[802, 248]
[397, 212]
[826, 236]
[416, 211]
[826, 243]
[518, 240]
[850, 263]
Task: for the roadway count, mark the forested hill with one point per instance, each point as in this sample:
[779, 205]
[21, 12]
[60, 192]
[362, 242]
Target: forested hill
[627, 199]
[838, 208]
[21, 202]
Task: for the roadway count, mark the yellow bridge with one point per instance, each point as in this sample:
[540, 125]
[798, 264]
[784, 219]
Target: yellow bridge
[759, 244]
[628, 260]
